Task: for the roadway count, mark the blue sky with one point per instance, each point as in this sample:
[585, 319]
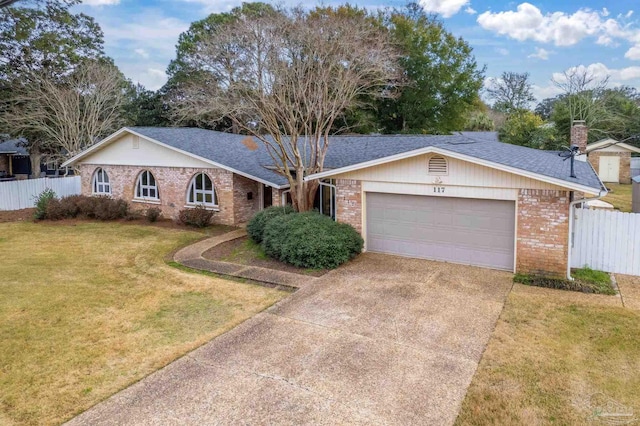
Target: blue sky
[541, 37]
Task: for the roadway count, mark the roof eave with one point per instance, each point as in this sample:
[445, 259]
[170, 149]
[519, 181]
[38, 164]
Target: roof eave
[464, 157]
[115, 135]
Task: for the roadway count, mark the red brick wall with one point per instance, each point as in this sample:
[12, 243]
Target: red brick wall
[349, 202]
[579, 135]
[625, 163]
[244, 208]
[543, 231]
[4, 163]
[173, 183]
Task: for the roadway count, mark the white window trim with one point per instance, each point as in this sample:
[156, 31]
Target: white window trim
[211, 208]
[193, 190]
[332, 198]
[95, 183]
[446, 165]
[139, 185]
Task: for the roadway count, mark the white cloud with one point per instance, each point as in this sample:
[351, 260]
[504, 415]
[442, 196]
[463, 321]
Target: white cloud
[152, 78]
[528, 23]
[470, 10]
[446, 8]
[502, 51]
[633, 53]
[142, 53]
[100, 2]
[540, 53]
[600, 71]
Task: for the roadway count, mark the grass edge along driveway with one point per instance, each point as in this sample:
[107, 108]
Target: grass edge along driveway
[89, 308]
[558, 357]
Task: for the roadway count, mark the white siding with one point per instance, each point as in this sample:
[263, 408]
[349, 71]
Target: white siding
[460, 173]
[147, 154]
[21, 194]
[607, 241]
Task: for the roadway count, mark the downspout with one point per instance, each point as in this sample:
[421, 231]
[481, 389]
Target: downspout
[601, 194]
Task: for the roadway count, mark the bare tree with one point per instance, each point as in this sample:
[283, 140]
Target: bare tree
[69, 112]
[286, 78]
[511, 92]
[583, 91]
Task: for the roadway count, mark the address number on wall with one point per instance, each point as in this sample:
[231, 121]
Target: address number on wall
[438, 189]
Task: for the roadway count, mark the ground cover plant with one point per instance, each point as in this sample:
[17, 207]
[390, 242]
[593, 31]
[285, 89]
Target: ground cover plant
[586, 280]
[88, 308]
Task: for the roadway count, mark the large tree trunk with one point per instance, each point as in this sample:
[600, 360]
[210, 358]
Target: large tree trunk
[36, 158]
[304, 194]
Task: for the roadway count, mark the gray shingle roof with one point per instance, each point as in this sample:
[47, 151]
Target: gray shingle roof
[228, 149]
[12, 147]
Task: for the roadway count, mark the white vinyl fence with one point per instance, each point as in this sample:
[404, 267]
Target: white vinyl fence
[635, 166]
[21, 194]
[607, 241]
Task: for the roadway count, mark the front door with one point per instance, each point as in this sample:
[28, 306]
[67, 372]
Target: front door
[610, 168]
[267, 196]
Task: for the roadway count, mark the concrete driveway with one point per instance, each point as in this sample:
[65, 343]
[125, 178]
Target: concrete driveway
[384, 340]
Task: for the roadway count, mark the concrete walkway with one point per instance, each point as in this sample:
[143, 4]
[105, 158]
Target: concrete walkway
[191, 256]
[382, 340]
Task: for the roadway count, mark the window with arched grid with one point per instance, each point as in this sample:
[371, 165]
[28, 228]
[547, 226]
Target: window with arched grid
[100, 184]
[201, 191]
[147, 187]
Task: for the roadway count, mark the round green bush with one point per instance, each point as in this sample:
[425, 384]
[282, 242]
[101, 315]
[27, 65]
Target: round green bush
[255, 227]
[311, 240]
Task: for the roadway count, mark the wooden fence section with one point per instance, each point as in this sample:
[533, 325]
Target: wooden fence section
[607, 241]
[21, 194]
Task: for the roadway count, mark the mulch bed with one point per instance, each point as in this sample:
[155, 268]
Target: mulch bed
[235, 251]
[16, 215]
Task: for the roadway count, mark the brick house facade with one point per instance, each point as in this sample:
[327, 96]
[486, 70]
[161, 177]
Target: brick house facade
[542, 225]
[238, 197]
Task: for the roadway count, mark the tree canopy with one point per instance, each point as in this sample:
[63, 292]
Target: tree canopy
[442, 76]
[511, 92]
[285, 77]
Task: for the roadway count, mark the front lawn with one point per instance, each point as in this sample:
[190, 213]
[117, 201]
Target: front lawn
[89, 308]
[557, 358]
[619, 195]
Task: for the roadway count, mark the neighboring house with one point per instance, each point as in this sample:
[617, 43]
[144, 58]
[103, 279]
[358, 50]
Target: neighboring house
[14, 160]
[612, 160]
[455, 198]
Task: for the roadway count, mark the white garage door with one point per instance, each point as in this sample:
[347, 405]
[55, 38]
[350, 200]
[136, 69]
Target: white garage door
[462, 230]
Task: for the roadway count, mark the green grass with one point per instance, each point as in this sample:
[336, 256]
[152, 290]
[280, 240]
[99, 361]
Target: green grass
[586, 280]
[248, 249]
[619, 196]
[88, 308]
[550, 358]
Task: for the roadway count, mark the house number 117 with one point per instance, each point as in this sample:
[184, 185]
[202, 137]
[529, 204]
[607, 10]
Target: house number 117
[438, 189]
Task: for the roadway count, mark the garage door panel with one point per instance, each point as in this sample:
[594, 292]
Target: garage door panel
[472, 231]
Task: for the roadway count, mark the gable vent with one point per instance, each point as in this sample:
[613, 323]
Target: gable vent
[437, 165]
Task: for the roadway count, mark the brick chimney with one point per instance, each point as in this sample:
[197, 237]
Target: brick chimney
[579, 132]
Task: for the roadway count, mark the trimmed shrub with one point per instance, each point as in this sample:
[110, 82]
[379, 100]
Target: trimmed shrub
[152, 214]
[42, 201]
[110, 209]
[255, 227]
[197, 216]
[102, 208]
[310, 240]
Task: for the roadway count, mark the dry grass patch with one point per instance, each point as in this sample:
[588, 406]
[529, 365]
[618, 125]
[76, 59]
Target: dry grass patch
[89, 308]
[619, 196]
[550, 358]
